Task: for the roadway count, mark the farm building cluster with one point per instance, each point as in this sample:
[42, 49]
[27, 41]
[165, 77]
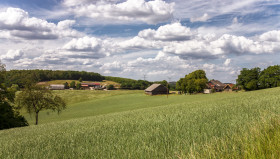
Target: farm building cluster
[211, 86]
[217, 86]
[84, 86]
[155, 89]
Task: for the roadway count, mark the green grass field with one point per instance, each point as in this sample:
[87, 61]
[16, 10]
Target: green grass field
[129, 124]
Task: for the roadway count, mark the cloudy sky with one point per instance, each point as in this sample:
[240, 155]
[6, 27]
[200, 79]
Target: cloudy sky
[132, 38]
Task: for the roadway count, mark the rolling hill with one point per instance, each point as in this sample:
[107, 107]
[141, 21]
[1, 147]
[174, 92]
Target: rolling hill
[130, 124]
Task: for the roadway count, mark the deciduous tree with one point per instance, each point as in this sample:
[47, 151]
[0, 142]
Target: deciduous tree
[193, 82]
[36, 98]
[78, 85]
[270, 77]
[249, 78]
[73, 84]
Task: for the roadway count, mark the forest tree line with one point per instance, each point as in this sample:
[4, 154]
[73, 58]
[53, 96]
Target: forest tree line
[21, 77]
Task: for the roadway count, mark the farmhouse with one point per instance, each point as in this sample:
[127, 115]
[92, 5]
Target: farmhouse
[56, 87]
[216, 85]
[155, 89]
[91, 85]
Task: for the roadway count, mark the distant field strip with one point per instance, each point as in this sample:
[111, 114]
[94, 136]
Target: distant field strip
[221, 125]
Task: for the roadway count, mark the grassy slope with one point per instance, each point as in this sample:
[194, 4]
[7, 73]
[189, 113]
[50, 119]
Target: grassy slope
[91, 103]
[237, 125]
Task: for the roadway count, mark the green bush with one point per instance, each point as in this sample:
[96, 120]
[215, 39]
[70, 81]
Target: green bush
[10, 118]
[110, 87]
[78, 85]
[73, 84]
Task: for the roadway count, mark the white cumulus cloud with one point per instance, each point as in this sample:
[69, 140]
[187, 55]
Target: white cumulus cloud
[273, 35]
[17, 23]
[169, 32]
[150, 12]
[205, 46]
[12, 55]
[87, 47]
[137, 43]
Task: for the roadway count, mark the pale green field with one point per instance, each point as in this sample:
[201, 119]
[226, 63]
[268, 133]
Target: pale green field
[83, 103]
[133, 125]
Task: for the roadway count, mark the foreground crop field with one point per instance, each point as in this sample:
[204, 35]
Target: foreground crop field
[221, 125]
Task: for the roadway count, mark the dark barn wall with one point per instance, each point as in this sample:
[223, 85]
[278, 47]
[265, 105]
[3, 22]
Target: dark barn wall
[156, 92]
[159, 92]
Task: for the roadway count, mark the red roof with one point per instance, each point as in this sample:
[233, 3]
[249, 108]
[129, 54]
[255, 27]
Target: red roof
[211, 85]
[90, 84]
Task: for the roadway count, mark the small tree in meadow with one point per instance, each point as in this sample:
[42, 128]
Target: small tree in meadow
[73, 84]
[80, 79]
[78, 85]
[37, 98]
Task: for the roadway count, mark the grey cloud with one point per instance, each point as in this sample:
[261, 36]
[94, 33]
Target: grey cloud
[33, 35]
[87, 56]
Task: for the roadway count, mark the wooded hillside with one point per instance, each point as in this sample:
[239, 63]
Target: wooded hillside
[20, 77]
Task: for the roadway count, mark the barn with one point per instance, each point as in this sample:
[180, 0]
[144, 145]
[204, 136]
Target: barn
[56, 87]
[155, 89]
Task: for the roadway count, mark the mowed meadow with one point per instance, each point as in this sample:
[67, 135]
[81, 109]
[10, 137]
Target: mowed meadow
[130, 124]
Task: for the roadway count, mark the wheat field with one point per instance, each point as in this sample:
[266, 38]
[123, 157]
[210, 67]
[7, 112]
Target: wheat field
[134, 125]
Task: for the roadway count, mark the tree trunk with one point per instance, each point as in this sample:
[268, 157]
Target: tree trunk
[36, 118]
